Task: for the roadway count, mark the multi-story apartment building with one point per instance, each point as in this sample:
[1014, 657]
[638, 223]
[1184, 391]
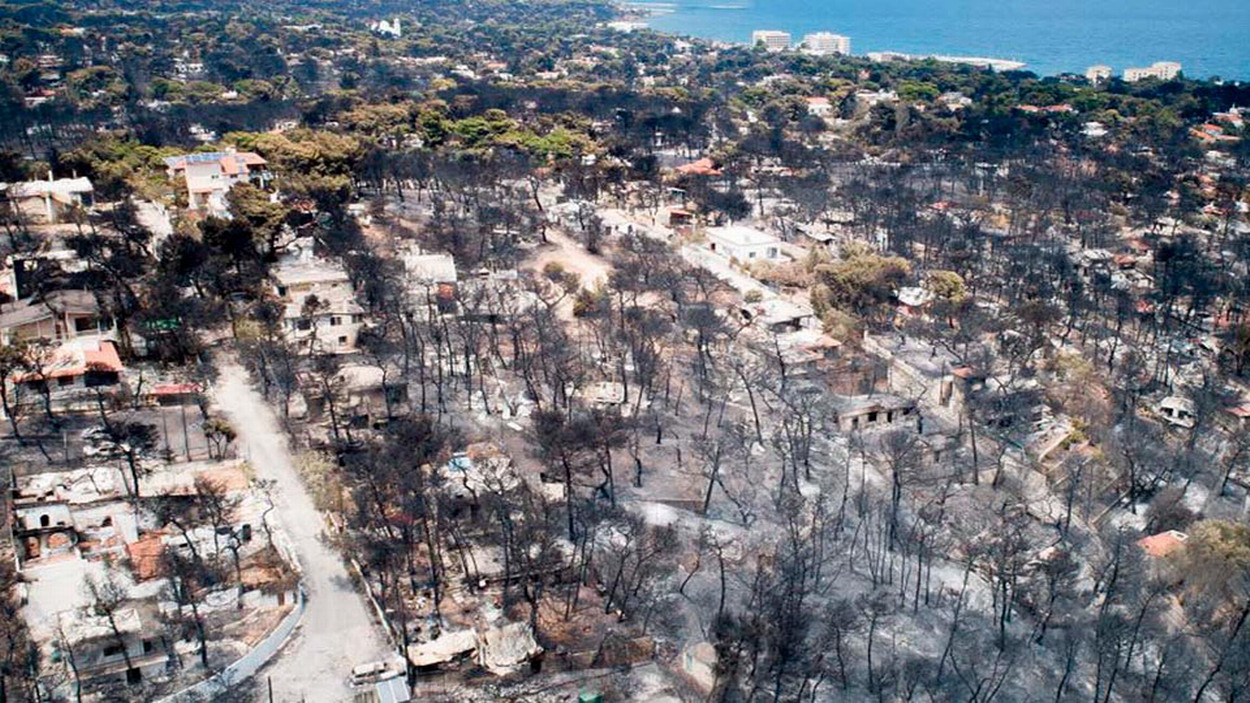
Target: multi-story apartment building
[827, 43]
[1163, 70]
[772, 39]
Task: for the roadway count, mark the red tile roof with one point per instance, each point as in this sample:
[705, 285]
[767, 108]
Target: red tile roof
[1163, 544]
[145, 556]
[702, 167]
[175, 388]
[77, 358]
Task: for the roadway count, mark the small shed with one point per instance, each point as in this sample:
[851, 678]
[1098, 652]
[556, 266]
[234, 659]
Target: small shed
[392, 690]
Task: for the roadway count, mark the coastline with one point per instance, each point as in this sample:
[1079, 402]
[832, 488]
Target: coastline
[638, 15]
[1049, 42]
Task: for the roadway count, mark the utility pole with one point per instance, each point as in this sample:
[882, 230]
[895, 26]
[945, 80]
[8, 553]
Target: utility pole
[186, 440]
[164, 431]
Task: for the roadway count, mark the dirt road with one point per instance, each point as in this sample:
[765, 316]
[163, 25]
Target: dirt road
[337, 631]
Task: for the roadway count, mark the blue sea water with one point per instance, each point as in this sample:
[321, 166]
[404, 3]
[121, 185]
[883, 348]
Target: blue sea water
[1208, 37]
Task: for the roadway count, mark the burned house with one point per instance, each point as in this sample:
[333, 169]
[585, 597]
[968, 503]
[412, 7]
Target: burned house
[49, 201]
[500, 650]
[124, 649]
[855, 413]
[320, 312]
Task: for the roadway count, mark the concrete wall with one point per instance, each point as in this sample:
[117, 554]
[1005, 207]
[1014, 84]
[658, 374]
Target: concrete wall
[244, 666]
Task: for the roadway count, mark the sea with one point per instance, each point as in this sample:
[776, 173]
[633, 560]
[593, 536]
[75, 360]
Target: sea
[1210, 38]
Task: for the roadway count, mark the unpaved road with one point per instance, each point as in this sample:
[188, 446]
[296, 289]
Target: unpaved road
[337, 631]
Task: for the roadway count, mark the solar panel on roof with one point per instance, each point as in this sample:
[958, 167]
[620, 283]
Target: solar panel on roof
[204, 158]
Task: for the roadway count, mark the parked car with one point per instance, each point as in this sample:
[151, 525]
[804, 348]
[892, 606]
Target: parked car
[370, 673]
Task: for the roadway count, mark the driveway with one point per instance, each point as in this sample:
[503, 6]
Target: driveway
[337, 631]
[156, 218]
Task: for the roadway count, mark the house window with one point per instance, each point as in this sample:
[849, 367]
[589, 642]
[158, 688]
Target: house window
[872, 416]
[44, 521]
[65, 381]
[335, 321]
[282, 291]
[751, 255]
[772, 252]
[95, 379]
[148, 646]
[343, 340]
[303, 325]
[112, 650]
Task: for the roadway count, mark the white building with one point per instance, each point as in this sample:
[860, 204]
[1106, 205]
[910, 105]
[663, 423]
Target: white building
[744, 243]
[772, 39]
[383, 28]
[429, 269]
[1098, 73]
[819, 107]
[827, 43]
[320, 312]
[123, 649]
[954, 100]
[51, 200]
[1094, 130]
[208, 177]
[1163, 70]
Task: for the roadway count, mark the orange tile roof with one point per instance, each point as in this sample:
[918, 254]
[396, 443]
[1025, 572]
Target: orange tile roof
[145, 556]
[702, 167]
[1163, 544]
[175, 388]
[73, 359]
[104, 357]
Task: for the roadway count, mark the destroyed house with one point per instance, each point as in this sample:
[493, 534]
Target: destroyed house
[127, 651]
[50, 201]
[865, 412]
[320, 312]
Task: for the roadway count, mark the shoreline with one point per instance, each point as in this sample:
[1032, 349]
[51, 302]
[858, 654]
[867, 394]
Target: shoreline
[632, 15]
